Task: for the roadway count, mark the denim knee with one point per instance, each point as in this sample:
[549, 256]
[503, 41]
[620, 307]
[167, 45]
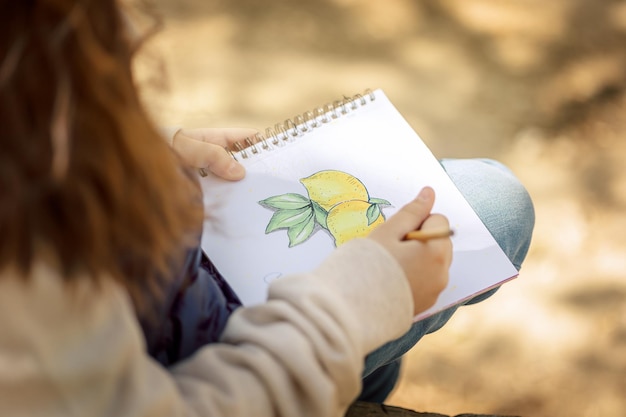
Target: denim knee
[500, 201]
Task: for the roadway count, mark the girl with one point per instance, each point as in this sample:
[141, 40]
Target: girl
[107, 306]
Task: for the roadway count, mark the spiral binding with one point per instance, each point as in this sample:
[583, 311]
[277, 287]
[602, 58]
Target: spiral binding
[297, 126]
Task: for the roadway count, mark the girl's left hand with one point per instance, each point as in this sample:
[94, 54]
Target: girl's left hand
[206, 148]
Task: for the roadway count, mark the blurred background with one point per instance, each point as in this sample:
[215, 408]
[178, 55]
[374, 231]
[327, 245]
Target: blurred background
[539, 85]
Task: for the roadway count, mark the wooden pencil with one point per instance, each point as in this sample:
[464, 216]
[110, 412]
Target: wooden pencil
[425, 235]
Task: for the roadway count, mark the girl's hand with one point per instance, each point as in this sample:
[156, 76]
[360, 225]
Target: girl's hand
[426, 264]
[205, 148]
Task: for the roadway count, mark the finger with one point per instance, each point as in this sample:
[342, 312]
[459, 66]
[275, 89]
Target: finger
[208, 155]
[443, 246]
[435, 222]
[412, 215]
[225, 137]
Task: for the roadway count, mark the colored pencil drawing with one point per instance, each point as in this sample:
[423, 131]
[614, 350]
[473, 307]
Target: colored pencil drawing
[337, 203]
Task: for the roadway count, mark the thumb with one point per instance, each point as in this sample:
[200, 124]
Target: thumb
[412, 215]
[207, 155]
[223, 165]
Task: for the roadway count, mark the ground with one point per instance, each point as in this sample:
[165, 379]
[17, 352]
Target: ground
[538, 85]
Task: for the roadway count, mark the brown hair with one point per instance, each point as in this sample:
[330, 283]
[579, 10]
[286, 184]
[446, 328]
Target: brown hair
[82, 170]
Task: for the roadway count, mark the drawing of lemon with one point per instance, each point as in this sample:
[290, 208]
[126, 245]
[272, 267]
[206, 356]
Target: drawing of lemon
[330, 187]
[349, 219]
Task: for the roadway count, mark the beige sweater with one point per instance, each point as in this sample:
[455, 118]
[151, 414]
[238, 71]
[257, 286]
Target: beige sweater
[80, 353]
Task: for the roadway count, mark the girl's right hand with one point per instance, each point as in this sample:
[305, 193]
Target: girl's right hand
[425, 263]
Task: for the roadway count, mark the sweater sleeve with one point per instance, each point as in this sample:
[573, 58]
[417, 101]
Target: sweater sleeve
[300, 353]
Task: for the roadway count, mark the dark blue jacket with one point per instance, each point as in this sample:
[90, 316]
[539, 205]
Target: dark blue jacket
[197, 304]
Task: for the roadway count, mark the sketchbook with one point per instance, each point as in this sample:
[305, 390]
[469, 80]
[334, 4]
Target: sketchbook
[324, 177]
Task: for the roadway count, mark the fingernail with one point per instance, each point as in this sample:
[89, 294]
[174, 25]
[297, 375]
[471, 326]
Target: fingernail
[235, 170]
[425, 194]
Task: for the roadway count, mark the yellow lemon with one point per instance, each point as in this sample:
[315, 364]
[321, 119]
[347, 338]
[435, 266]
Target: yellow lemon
[330, 187]
[348, 220]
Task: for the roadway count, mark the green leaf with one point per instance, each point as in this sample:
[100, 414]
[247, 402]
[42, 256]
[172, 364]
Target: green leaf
[286, 201]
[286, 218]
[301, 232]
[379, 201]
[372, 213]
[320, 214]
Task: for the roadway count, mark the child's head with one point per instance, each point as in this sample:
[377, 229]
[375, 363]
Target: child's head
[83, 172]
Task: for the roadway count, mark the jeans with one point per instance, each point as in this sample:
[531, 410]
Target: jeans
[505, 207]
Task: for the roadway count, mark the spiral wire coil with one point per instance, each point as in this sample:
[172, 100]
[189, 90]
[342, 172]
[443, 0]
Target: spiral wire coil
[295, 127]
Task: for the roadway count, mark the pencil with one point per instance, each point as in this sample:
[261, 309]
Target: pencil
[425, 235]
